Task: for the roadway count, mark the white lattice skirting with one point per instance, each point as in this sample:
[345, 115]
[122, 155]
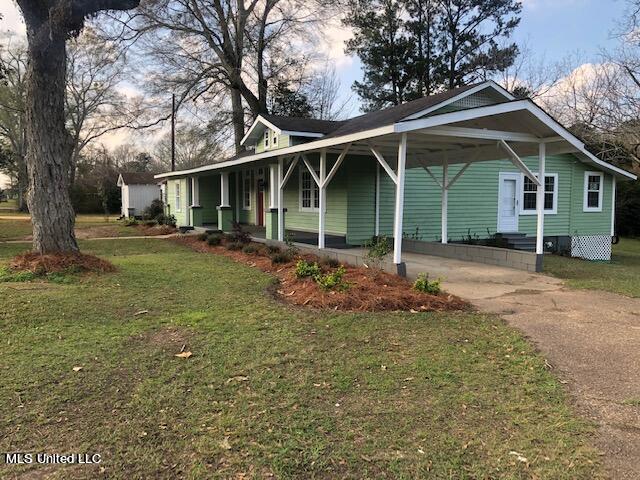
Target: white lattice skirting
[591, 247]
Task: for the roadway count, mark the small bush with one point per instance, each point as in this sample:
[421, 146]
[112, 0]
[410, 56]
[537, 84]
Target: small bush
[249, 249]
[234, 246]
[377, 250]
[203, 237]
[152, 211]
[239, 234]
[271, 249]
[169, 220]
[214, 240]
[333, 280]
[424, 285]
[329, 262]
[305, 269]
[280, 257]
[130, 222]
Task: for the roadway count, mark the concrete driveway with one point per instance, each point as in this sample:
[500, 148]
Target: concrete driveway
[591, 339]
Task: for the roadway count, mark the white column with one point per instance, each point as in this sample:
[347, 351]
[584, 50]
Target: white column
[224, 189]
[236, 176]
[322, 203]
[195, 192]
[377, 220]
[445, 201]
[540, 199]
[399, 211]
[280, 200]
[613, 206]
[273, 185]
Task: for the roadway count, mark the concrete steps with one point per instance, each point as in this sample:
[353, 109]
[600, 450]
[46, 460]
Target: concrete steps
[518, 241]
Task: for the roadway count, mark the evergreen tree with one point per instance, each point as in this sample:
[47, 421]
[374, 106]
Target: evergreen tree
[381, 42]
[425, 62]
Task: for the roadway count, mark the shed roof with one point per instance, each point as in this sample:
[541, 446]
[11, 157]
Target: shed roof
[138, 178]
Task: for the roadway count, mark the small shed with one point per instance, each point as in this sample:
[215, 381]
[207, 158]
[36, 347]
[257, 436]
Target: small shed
[138, 189]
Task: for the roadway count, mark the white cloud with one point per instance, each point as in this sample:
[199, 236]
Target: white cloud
[11, 18]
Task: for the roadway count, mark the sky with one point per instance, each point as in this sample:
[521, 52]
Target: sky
[553, 29]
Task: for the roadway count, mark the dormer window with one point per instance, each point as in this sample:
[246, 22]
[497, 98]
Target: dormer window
[267, 138]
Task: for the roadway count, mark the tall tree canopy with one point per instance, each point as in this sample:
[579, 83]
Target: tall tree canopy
[413, 48]
[50, 23]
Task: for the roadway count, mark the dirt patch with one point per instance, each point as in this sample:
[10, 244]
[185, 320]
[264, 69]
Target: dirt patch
[369, 290]
[106, 231]
[156, 230]
[40, 264]
[168, 339]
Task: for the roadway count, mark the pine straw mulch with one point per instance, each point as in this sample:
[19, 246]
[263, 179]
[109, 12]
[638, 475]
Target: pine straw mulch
[156, 230]
[42, 264]
[370, 290]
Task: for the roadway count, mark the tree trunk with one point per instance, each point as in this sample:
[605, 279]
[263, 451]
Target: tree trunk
[237, 117]
[48, 142]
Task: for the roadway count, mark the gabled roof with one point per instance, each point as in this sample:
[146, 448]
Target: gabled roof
[136, 178]
[307, 125]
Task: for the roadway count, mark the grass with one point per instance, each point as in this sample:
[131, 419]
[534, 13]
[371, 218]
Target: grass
[621, 275]
[18, 226]
[269, 390]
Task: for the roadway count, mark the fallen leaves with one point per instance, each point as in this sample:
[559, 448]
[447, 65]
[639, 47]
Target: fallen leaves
[141, 312]
[77, 369]
[186, 354]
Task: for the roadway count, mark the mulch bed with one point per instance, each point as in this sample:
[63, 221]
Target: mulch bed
[370, 290]
[42, 264]
[156, 230]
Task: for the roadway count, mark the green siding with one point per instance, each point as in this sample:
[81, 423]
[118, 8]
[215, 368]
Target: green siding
[361, 214]
[473, 201]
[209, 197]
[336, 215]
[283, 141]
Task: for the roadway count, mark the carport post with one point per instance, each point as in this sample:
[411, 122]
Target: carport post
[224, 189]
[445, 200]
[399, 212]
[540, 200]
[280, 200]
[322, 190]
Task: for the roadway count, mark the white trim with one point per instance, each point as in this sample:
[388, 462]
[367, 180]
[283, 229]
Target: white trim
[508, 176]
[377, 202]
[552, 211]
[585, 205]
[322, 202]
[542, 160]
[224, 189]
[336, 165]
[177, 196]
[486, 134]
[312, 194]
[444, 230]
[266, 139]
[280, 199]
[273, 172]
[517, 161]
[302, 134]
[471, 91]
[312, 171]
[384, 164]
[263, 121]
[290, 170]
[246, 175]
[195, 192]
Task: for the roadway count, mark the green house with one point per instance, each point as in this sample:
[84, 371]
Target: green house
[463, 174]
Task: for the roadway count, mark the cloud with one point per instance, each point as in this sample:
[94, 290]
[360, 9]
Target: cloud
[11, 18]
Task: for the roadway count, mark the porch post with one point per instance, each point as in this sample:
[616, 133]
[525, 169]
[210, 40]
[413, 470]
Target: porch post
[271, 223]
[399, 211]
[196, 209]
[280, 199]
[322, 203]
[224, 189]
[445, 201]
[540, 202]
[613, 206]
[377, 213]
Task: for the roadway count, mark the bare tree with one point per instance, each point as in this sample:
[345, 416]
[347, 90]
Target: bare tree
[323, 93]
[195, 146]
[50, 23]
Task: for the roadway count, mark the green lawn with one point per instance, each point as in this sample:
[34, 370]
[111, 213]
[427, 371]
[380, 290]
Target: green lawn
[269, 390]
[18, 226]
[621, 275]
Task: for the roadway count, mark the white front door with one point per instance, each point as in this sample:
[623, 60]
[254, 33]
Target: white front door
[508, 203]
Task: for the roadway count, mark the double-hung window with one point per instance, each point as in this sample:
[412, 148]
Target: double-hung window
[178, 196]
[267, 139]
[309, 192]
[529, 200]
[593, 188]
[246, 190]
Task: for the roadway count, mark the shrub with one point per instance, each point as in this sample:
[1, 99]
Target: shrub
[306, 269]
[150, 223]
[203, 237]
[424, 285]
[130, 222]
[169, 220]
[271, 249]
[249, 249]
[280, 257]
[239, 234]
[329, 262]
[377, 250]
[333, 280]
[234, 246]
[214, 240]
[152, 211]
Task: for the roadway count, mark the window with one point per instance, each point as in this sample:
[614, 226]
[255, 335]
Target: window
[246, 190]
[309, 192]
[178, 197]
[530, 195]
[593, 186]
[267, 138]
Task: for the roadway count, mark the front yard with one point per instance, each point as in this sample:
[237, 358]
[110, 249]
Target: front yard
[269, 389]
[621, 275]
